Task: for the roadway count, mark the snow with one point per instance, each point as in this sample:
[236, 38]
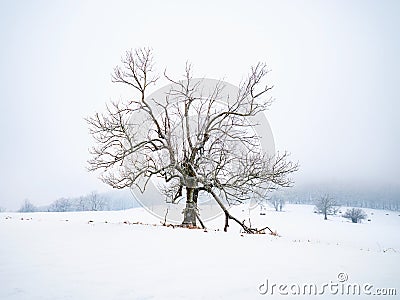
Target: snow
[103, 255]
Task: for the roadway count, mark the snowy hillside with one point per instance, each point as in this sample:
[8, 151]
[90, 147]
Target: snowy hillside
[104, 255]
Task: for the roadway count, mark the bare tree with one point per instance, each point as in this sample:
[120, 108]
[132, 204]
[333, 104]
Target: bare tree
[326, 205]
[27, 206]
[355, 215]
[82, 203]
[277, 203]
[95, 201]
[192, 141]
[61, 205]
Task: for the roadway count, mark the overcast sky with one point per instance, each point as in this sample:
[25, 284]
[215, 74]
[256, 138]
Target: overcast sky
[335, 67]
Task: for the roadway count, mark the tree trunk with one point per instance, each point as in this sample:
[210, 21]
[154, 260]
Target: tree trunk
[190, 211]
[226, 221]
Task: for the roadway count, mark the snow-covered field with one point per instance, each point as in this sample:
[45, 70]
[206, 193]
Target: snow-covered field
[102, 255]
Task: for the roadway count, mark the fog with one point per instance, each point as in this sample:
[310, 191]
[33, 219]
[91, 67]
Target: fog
[334, 66]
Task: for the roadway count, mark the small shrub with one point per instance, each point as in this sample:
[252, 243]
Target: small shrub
[355, 215]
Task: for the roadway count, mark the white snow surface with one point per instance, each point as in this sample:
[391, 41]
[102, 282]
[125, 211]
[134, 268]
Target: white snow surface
[103, 255]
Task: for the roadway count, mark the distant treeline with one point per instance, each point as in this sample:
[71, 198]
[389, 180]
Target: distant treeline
[376, 198]
[91, 202]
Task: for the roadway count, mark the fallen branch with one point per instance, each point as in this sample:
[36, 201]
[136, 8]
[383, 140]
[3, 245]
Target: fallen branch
[228, 217]
[165, 217]
[201, 222]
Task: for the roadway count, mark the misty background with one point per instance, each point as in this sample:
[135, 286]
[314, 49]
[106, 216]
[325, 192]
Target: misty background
[334, 65]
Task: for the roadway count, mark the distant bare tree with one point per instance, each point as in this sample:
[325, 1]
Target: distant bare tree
[326, 205]
[277, 203]
[81, 204]
[27, 206]
[95, 201]
[61, 205]
[193, 142]
[355, 215]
